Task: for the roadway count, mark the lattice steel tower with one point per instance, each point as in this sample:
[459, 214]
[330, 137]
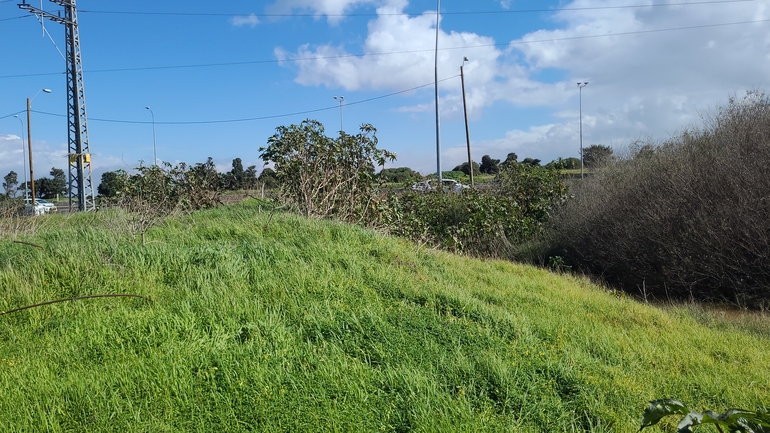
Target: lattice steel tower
[80, 171]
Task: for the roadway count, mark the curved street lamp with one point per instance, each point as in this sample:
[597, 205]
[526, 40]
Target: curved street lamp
[29, 143]
[154, 151]
[580, 86]
[341, 99]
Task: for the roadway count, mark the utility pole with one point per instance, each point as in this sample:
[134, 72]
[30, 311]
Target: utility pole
[580, 86]
[438, 121]
[29, 143]
[465, 112]
[80, 170]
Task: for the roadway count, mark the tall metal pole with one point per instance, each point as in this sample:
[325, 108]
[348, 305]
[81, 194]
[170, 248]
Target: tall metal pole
[154, 149]
[24, 159]
[580, 86]
[341, 99]
[29, 143]
[438, 121]
[80, 169]
[465, 112]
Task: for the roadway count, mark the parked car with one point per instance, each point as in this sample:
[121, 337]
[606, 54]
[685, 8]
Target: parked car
[41, 207]
[449, 185]
[423, 186]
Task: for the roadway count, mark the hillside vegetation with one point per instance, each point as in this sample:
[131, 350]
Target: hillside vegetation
[686, 219]
[260, 322]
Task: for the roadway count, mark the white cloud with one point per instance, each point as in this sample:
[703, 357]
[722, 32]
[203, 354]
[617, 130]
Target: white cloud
[414, 39]
[332, 9]
[245, 20]
[643, 82]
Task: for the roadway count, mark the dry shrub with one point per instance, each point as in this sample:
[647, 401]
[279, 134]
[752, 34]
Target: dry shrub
[13, 221]
[689, 219]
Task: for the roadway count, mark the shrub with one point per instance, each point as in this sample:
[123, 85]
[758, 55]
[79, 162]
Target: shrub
[688, 219]
[325, 177]
[485, 223]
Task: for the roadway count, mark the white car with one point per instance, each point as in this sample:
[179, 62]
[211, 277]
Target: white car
[449, 185]
[41, 207]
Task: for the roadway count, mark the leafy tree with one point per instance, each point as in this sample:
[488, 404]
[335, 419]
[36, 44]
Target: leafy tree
[323, 176]
[112, 183]
[51, 187]
[464, 168]
[398, 175]
[489, 165]
[234, 178]
[596, 155]
[250, 177]
[510, 159]
[11, 184]
[531, 161]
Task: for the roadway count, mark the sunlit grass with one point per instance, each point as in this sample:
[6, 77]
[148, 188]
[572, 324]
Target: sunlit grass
[301, 325]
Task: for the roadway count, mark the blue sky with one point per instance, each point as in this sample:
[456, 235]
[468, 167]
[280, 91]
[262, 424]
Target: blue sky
[652, 70]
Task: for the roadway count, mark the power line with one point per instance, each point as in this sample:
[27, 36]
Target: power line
[249, 119]
[342, 56]
[498, 12]
[15, 18]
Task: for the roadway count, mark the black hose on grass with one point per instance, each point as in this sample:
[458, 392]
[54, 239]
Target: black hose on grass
[28, 243]
[74, 298]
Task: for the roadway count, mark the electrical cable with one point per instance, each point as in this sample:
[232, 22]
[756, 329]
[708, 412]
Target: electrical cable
[342, 56]
[501, 12]
[248, 119]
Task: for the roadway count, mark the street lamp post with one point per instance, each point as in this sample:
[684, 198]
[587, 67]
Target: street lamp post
[29, 143]
[23, 159]
[154, 149]
[580, 87]
[435, 85]
[465, 112]
[341, 99]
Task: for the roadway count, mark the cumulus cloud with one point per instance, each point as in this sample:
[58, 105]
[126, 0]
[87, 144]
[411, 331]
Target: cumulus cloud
[245, 20]
[413, 38]
[646, 79]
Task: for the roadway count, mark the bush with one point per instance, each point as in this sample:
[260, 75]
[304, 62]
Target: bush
[688, 219]
[325, 177]
[485, 223]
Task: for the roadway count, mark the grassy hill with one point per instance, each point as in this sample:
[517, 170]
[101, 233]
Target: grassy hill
[297, 325]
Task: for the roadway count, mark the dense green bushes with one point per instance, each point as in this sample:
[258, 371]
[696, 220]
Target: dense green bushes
[486, 223]
[689, 219]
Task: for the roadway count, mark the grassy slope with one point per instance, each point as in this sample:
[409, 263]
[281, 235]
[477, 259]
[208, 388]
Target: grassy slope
[315, 326]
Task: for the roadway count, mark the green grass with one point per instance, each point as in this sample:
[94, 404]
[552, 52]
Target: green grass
[317, 326]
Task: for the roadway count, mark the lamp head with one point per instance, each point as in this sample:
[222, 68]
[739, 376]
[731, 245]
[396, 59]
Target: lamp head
[147, 107]
[46, 90]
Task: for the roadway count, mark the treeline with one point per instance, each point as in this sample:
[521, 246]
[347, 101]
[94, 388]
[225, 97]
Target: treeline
[120, 182]
[45, 187]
